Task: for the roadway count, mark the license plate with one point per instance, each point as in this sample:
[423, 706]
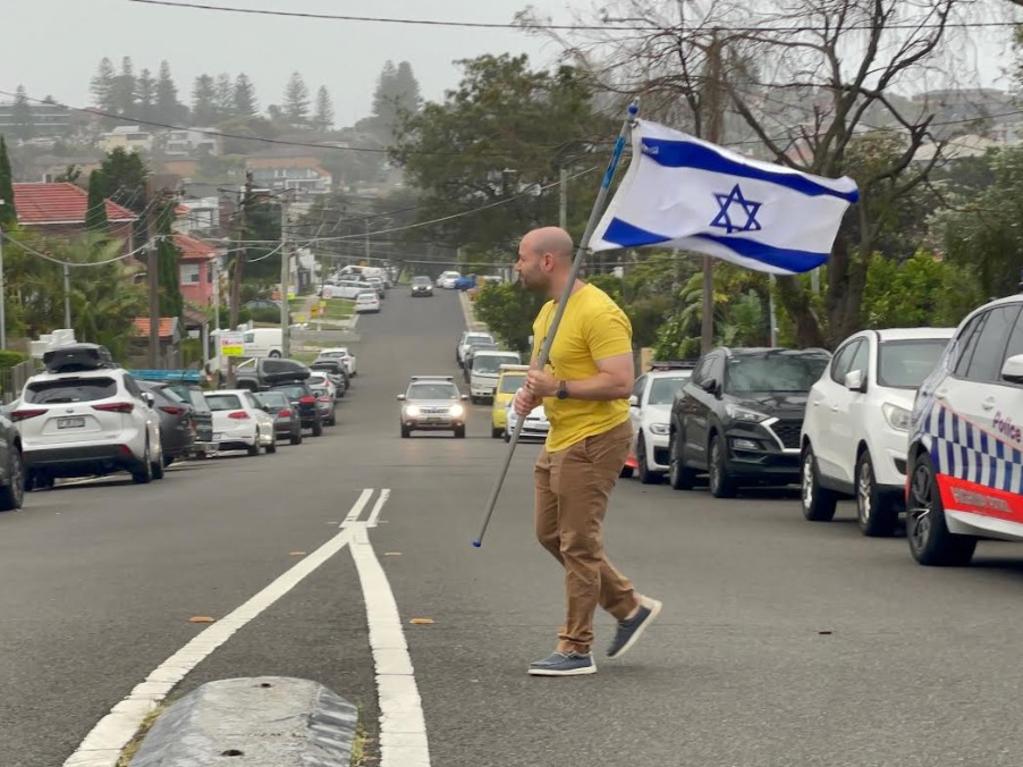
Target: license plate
[71, 422]
[218, 436]
[434, 419]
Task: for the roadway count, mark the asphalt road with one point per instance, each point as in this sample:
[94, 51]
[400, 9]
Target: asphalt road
[781, 642]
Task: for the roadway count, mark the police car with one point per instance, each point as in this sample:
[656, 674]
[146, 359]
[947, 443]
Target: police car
[650, 413]
[965, 476]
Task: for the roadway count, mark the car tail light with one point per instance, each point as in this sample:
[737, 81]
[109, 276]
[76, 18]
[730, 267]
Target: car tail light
[172, 409]
[324, 398]
[238, 415]
[285, 413]
[24, 415]
[307, 399]
[115, 407]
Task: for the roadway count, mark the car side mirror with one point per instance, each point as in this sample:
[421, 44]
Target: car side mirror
[633, 400]
[1012, 370]
[855, 380]
[465, 398]
[149, 399]
[710, 386]
[400, 398]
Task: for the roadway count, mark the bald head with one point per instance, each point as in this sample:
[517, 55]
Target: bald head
[549, 239]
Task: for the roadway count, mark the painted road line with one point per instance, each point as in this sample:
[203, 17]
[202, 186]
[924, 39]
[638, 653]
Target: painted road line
[385, 493]
[103, 745]
[403, 741]
[360, 504]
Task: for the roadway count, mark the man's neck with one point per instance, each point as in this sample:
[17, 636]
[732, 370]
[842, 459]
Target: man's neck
[556, 292]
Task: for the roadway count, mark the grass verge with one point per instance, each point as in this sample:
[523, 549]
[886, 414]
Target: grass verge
[136, 743]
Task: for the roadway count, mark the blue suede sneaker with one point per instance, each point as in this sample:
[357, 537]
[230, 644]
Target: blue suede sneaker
[630, 630]
[564, 664]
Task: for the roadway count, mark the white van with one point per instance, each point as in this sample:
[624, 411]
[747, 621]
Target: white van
[263, 342]
[486, 367]
[349, 289]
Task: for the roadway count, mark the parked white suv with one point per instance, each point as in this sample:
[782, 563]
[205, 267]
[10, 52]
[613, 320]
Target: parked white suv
[240, 422]
[84, 417]
[966, 440]
[467, 337]
[650, 413]
[340, 353]
[448, 279]
[855, 432]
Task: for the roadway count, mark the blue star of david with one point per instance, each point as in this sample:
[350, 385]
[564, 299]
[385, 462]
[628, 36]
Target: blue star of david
[723, 219]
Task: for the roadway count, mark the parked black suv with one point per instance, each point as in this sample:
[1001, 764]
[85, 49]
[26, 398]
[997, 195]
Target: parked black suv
[738, 418]
[303, 400]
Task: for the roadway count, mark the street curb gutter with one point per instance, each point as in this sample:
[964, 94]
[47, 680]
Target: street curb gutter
[467, 312]
[262, 721]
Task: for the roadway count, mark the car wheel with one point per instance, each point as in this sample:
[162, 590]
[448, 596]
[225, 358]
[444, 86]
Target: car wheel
[275, 354]
[507, 435]
[254, 448]
[818, 502]
[333, 419]
[12, 495]
[496, 433]
[626, 472]
[460, 432]
[317, 427]
[875, 513]
[646, 476]
[930, 541]
[144, 474]
[296, 438]
[405, 432]
[272, 447]
[167, 461]
[158, 469]
[680, 476]
[721, 483]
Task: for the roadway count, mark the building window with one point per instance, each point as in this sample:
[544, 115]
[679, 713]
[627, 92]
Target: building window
[190, 274]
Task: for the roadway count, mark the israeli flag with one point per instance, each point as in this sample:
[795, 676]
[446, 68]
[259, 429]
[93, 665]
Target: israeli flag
[681, 192]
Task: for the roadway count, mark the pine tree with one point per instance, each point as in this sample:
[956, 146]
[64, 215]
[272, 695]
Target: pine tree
[407, 89]
[168, 108]
[324, 118]
[244, 97]
[168, 265]
[383, 98]
[296, 100]
[96, 209]
[102, 86]
[8, 215]
[124, 88]
[224, 97]
[21, 115]
[145, 94]
[397, 94]
[204, 97]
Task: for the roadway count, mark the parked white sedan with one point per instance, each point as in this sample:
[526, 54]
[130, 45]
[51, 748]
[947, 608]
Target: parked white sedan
[536, 424]
[240, 423]
[367, 303]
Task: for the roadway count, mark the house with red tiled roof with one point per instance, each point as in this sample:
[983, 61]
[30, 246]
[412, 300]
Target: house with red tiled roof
[197, 269]
[170, 342]
[59, 209]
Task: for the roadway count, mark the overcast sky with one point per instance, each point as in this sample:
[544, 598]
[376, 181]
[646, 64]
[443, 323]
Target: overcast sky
[53, 46]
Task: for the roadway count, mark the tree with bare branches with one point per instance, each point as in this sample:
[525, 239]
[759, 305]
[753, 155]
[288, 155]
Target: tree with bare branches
[816, 85]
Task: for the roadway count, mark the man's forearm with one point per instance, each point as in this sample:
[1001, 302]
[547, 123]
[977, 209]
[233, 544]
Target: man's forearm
[599, 388]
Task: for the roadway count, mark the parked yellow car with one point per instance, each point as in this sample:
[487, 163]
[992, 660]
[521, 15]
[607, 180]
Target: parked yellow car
[509, 380]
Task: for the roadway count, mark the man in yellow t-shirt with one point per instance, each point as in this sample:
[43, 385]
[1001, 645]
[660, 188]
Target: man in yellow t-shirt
[584, 390]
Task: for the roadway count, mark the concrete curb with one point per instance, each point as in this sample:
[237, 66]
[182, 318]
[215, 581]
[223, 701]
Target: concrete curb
[260, 721]
[467, 312]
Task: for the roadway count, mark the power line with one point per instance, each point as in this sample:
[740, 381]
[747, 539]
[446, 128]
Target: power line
[72, 264]
[559, 27]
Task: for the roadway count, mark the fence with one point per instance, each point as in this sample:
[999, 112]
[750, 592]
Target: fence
[12, 379]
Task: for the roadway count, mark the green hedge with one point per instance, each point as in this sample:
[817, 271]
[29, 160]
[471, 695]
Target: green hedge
[9, 359]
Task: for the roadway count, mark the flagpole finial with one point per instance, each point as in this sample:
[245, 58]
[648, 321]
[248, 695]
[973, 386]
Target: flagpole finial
[633, 110]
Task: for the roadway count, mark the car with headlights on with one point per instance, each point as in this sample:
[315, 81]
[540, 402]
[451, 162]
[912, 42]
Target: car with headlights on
[421, 286]
[738, 418]
[856, 429]
[650, 413]
[432, 403]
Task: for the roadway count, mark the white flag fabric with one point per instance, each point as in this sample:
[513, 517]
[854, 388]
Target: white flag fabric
[682, 192]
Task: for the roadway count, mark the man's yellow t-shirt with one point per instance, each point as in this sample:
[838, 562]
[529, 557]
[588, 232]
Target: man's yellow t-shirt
[593, 328]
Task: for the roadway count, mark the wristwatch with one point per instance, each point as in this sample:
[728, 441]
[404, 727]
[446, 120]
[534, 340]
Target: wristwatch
[562, 390]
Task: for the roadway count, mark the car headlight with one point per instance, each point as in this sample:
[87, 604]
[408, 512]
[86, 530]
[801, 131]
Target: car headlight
[898, 417]
[659, 428]
[745, 415]
[456, 410]
[412, 410]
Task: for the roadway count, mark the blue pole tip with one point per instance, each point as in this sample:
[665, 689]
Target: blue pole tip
[477, 544]
[633, 109]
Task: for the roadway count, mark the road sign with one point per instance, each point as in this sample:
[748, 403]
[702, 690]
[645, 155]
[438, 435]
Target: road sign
[232, 344]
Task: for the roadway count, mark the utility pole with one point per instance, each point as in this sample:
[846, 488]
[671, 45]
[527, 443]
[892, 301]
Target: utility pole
[285, 264]
[152, 276]
[238, 263]
[67, 296]
[714, 116]
[3, 293]
[365, 225]
[563, 197]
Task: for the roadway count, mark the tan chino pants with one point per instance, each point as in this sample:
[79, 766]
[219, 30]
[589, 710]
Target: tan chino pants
[572, 490]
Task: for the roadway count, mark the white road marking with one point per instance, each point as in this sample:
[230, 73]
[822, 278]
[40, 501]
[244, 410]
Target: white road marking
[103, 745]
[403, 741]
[385, 493]
[360, 504]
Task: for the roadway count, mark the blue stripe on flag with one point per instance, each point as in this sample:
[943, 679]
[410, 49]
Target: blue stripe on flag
[628, 236]
[782, 258]
[687, 154]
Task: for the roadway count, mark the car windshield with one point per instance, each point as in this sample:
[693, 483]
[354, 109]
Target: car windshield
[272, 399]
[292, 392]
[366, 298]
[662, 391]
[905, 364]
[221, 402]
[330, 367]
[491, 363]
[432, 391]
[772, 372]
[169, 393]
[192, 396]
[420, 280]
[70, 390]
[510, 383]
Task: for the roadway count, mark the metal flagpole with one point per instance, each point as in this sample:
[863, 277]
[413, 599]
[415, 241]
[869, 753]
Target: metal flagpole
[545, 349]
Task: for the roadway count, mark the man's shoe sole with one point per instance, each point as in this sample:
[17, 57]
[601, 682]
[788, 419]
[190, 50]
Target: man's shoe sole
[655, 610]
[591, 669]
